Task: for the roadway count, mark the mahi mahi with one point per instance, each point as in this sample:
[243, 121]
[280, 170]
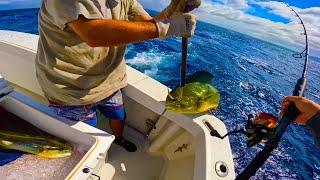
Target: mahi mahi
[195, 97]
[42, 146]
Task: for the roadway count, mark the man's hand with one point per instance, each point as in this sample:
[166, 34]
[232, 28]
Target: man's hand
[307, 108]
[179, 6]
[182, 25]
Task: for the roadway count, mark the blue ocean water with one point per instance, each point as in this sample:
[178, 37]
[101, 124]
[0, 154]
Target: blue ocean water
[252, 76]
[7, 156]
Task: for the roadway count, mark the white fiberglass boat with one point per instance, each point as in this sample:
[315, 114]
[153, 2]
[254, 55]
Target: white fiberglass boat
[170, 146]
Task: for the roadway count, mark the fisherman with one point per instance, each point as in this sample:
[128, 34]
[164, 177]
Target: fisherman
[80, 60]
[309, 114]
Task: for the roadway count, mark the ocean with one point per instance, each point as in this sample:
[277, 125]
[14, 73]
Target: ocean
[252, 76]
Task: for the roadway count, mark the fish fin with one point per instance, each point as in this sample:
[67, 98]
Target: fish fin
[200, 76]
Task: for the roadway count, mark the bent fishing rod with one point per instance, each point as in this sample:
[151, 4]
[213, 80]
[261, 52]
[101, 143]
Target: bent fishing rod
[291, 113]
[254, 130]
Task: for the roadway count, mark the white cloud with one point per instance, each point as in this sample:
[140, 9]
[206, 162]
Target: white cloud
[232, 14]
[237, 4]
[287, 35]
[310, 16]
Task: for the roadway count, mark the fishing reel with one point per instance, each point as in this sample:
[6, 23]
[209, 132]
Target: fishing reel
[258, 129]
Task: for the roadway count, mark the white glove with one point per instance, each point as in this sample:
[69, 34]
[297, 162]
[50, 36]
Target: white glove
[182, 25]
[179, 6]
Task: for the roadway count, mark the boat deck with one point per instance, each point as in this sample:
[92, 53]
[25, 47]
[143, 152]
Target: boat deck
[138, 165]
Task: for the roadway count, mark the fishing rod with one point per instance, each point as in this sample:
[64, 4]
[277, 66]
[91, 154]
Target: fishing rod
[184, 53]
[264, 126]
[291, 113]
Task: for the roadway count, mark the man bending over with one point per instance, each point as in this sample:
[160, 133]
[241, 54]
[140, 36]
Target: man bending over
[80, 60]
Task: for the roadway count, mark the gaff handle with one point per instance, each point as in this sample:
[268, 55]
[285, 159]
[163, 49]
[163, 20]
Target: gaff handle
[183, 70]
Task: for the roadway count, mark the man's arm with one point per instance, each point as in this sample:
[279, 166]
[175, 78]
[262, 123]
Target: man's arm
[116, 32]
[98, 33]
[161, 16]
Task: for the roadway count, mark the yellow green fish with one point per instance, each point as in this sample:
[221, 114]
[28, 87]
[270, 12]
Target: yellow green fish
[41, 146]
[195, 97]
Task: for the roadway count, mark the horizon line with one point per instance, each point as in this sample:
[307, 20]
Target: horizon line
[288, 48]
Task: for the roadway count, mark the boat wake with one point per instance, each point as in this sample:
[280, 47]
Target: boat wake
[148, 61]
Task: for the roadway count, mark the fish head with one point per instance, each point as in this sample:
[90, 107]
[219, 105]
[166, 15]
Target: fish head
[193, 98]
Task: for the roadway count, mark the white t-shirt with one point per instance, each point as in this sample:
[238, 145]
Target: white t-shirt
[69, 71]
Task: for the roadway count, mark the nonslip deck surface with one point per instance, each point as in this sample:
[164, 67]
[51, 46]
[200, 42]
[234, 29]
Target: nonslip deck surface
[133, 166]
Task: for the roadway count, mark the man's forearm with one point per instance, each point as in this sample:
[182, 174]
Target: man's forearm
[113, 32]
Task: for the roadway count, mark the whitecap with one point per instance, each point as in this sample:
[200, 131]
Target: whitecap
[148, 60]
[246, 86]
[262, 95]
[242, 68]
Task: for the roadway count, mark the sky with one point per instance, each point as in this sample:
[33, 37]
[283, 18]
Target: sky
[269, 20]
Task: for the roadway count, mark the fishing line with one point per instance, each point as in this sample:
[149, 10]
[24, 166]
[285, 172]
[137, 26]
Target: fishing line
[265, 127]
[291, 114]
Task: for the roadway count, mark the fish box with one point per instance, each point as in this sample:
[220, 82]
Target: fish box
[90, 143]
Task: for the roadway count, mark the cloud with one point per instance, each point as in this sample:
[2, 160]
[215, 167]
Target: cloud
[288, 35]
[310, 16]
[232, 14]
[237, 4]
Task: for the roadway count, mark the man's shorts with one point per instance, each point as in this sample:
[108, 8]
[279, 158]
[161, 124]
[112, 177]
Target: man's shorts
[111, 107]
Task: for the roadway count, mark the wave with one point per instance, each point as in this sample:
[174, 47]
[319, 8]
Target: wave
[148, 61]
